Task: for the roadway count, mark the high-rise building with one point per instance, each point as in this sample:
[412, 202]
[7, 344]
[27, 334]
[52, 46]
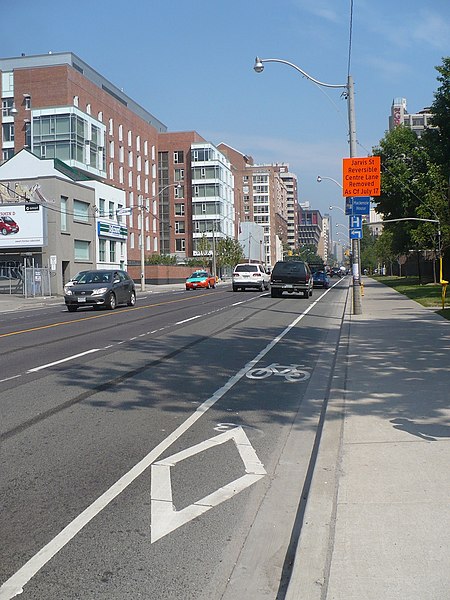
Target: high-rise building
[417, 122]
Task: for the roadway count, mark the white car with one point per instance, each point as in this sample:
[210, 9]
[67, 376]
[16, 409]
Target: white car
[250, 275]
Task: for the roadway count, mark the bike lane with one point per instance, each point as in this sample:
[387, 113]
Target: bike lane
[207, 468]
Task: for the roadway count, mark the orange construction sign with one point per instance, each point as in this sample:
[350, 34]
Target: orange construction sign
[361, 176]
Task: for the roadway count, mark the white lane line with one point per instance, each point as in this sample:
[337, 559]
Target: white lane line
[63, 360]
[14, 585]
[190, 319]
[9, 378]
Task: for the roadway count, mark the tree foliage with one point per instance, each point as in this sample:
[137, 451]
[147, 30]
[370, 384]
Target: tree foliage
[414, 180]
[229, 252]
[438, 137]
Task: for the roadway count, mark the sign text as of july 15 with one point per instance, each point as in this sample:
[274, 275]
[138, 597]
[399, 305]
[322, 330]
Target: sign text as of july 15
[361, 176]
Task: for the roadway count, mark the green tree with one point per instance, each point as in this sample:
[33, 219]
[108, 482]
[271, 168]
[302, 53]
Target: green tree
[367, 250]
[308, 253]
[229, 252]
[412, 187]
[437, 137]
[204, 249]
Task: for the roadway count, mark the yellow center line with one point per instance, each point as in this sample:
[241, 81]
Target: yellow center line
[108, 314]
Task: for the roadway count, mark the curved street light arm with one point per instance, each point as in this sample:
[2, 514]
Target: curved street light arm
[259, 67]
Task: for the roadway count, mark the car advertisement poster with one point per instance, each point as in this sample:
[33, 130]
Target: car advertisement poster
[21, 226]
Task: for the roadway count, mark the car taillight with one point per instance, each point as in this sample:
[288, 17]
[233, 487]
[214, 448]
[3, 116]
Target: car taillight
[255, 274]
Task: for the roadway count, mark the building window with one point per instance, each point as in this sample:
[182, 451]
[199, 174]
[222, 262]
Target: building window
[111, 149]
[64, 225]
[100, 116]
[102, 250]
[146, 147]
[130, 179]
[130, 141]
[179, 210]
[138, 143]
[7, 153]
[81, 250]
[179, 191]
[120, 174]
[111, 211]
[154, 171]
[76, 101]
[111, 127]
[121, 154]
[180, 245]
[153, 152]
[81, 211]
[180, 227]
[112, 251]
[88, 109]
[111, 170]
[7, 104]
[138, 163]
[130, 158]
[179, 175]
[178, 157]
[8, 132]
[120, 133]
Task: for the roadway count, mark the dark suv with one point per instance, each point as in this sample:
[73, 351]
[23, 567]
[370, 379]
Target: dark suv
[292, 276]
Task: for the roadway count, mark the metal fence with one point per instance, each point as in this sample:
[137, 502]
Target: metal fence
[29, 282]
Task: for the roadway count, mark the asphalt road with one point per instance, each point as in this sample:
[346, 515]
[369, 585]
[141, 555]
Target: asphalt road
[160, 451]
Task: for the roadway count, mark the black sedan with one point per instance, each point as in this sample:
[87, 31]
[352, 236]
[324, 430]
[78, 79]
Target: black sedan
[105, 287]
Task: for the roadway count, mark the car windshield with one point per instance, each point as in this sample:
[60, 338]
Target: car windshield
[8, 220]
[198, 274]
[289, 268]
[93, 277]
[246, 269]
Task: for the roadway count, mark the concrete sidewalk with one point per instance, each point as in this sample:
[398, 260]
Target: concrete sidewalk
[377, 519]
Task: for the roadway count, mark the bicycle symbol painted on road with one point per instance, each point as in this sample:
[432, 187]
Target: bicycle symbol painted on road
[291, 373]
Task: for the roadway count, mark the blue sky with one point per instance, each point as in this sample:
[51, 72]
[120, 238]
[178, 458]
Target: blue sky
[190, 63]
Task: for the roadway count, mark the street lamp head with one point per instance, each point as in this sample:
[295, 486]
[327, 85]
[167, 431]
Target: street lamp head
[319, 179]
[259, 67]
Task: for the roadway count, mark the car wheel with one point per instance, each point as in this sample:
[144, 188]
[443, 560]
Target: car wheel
[132, 300]
[111, 303]
[235, 288]
[71, 307]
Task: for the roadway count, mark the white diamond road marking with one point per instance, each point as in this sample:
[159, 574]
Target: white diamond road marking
[164, 517]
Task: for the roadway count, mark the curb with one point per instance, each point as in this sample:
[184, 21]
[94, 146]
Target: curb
[311, 567]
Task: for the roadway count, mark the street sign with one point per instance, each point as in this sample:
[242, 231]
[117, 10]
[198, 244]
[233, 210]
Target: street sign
[361, 206]
[355, 234]
[124, 212]
[355, 222]
[361, 176]
[349, 206]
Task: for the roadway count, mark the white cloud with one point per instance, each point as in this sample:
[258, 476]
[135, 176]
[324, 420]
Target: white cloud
[325, 9]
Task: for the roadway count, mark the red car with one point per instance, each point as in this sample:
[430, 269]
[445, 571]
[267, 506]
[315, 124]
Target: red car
[200, 279]
[8, 225]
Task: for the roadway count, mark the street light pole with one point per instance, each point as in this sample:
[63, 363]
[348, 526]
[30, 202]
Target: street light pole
[348, 88]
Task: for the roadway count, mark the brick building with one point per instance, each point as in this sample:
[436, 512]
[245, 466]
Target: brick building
[59, 107]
